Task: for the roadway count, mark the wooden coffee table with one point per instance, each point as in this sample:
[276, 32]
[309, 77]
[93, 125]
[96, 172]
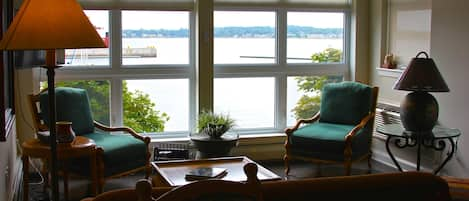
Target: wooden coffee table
[172, 173]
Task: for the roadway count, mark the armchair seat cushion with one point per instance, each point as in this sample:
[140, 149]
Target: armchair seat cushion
[121, 153]
[326, 141]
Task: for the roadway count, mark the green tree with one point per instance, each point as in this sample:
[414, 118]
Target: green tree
[310, 102]
[139, 112]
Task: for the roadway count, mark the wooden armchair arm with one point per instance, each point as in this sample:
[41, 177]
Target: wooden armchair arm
[289, 131]
[363, 122]
[124, 129]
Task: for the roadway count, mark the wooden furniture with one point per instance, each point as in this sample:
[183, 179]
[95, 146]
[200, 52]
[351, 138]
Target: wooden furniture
[80, 147]
[340, 132]
[211, 189]
[118, 154]
[436, 141]
[172, 173]
[402, 186]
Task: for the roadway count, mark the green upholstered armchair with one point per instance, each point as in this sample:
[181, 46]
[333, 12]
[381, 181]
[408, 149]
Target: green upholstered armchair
[120, 150]
[340, 132]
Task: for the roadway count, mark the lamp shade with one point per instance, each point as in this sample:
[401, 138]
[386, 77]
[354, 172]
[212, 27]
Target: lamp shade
[50, 24]
[421, 75]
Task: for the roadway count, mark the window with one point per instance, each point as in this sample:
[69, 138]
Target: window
[311, 33]
[244, 37]
[92, 56]
[155, 37]
[250, 101]
[156, 105]
[260, 54]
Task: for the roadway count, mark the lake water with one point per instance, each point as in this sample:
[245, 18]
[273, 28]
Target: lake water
[249, 100]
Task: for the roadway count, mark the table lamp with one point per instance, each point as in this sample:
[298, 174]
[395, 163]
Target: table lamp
[419, 109]
[50, 25]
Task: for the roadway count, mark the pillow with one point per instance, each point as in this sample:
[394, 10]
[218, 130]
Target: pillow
[345, 102]
[72, 105]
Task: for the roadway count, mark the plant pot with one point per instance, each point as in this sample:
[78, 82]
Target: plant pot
[211, 147]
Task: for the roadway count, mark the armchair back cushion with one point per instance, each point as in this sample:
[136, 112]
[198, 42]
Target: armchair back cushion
[357, 97]
[72, 105]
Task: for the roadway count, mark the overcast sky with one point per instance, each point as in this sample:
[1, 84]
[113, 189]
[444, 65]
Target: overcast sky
[180, 19]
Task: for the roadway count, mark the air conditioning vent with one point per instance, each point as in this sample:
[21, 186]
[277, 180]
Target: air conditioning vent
[386, 114]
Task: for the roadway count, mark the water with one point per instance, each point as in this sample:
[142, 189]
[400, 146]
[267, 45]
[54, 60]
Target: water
[251, 101]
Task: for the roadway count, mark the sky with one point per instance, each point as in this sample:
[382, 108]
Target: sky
[180, 19]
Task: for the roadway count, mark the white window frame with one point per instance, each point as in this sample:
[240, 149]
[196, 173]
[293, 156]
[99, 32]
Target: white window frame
[279, 70]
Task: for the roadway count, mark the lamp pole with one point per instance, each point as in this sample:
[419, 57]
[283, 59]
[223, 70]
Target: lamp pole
[50, 65]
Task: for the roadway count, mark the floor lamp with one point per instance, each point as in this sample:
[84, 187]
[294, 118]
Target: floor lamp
[50, 25]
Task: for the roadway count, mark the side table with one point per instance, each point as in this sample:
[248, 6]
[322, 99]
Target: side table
[437, 140]
[81, 146]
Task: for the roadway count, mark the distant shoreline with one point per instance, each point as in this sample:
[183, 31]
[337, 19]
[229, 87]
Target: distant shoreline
[240, 32]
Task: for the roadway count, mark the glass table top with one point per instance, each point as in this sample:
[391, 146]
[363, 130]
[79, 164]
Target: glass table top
[397, 130]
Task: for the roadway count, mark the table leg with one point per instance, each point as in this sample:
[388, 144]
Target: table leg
[388, 140]
[448, 156]
[25, 178]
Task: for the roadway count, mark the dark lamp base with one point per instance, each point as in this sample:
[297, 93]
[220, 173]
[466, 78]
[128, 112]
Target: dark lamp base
[419, 112]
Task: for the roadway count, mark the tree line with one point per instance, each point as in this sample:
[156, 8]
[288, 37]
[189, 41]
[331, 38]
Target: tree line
[239, 32]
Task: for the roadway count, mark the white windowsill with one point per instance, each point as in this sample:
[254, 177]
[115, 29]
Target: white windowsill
[389, 72]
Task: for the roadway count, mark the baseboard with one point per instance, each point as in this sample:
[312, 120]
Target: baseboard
[17, 191]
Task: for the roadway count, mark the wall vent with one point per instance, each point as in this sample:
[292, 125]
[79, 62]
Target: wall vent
[171, 151]
[386, 114]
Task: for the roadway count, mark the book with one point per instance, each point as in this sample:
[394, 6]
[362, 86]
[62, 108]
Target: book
[205, 173]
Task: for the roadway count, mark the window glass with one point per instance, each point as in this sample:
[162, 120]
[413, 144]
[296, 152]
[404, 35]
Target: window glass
[250, 101]
[92, 56]
[244, 37]
[156, 105]
[315, 37]
[304, 96]
[98, 94]
[155, 37]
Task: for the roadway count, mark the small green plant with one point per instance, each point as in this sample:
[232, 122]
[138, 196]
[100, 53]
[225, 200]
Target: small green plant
[214, 125]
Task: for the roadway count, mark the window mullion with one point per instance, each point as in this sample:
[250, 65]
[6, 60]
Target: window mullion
[116, 58]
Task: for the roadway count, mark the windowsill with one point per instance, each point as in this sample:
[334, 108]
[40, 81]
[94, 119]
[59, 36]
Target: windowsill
[248, 139]
[389, 72]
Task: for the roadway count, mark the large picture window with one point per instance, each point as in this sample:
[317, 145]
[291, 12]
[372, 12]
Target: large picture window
[262, 56]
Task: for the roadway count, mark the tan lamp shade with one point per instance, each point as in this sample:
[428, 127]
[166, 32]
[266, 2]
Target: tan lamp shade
[50, 24]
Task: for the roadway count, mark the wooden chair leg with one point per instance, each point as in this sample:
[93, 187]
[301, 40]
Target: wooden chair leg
[318, 170]
[287, 165]
[347, 167]
[369, 163]
[100, 164]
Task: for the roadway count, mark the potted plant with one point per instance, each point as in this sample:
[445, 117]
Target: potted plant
[214, 125]
[211, 140]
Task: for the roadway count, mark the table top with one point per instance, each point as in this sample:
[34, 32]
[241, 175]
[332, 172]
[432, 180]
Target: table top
[79, 145]
[173, 172]
[396, 130]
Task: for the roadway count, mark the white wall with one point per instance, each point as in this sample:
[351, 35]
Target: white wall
[450, 50]
[449, 46]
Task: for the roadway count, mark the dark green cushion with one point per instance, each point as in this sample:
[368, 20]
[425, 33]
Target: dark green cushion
[122, 152]
[72, 105]
[345, 102]
[327, 141]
